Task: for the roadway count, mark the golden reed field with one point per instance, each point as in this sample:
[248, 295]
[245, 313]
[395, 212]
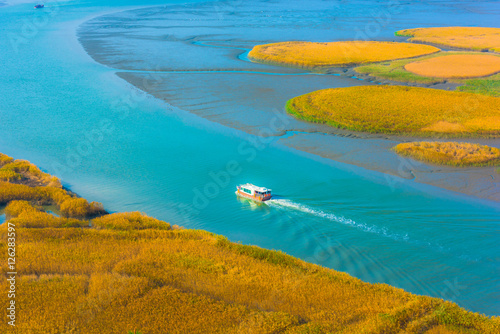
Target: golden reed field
[22, 180]
[127, 272]
[456, 66]
[401, 110]
[335, 54]
[473, 38]
[451, 153]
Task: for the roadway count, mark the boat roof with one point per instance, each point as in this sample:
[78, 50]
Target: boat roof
[253, 187]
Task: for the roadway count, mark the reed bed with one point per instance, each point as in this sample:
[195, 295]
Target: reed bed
[184, 281]
[21, 170]
[69, 205]
[335, 54]
[451, 153]
[456, 66]
[401, 110]
[129, 221]
[145, 278]
[23, 214]
[5, 159]
[472, 38]
[21, 180]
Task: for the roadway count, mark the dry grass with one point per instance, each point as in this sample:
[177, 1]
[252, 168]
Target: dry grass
[68, 204]
[129, 221]
[156, 280]
[335, 54]
[456, 66]
[23, 214]
[80, 208]
[451, 153]
[21, 180]
[185, 281]
[473, 38]
[5, 159]
[401, 110]
[22, 171]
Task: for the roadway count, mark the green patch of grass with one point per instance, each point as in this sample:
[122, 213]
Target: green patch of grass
[402, 34]
[388, 317]
[489, 86]
[395, 72]
[457, 319]
[199, 263]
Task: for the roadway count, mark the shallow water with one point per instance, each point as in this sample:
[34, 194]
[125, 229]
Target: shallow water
[195, 57]
[112, 143]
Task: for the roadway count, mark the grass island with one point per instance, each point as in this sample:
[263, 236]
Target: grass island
[320, 56]
[451, 153]
[401, 110]
[470, 38]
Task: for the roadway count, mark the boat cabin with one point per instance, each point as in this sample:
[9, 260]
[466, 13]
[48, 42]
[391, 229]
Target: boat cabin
[254, 192]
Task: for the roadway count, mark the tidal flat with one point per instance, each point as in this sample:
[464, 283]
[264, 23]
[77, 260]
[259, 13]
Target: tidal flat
[200, 65]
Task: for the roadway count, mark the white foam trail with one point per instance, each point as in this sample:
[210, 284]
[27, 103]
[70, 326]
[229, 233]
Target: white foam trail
[284, 203]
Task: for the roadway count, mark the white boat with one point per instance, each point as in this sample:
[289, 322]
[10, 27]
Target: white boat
[250, 191]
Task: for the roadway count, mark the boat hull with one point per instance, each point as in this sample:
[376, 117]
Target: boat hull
[253, 198]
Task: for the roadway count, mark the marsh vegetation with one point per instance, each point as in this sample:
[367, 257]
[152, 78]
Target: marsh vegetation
[471, 38]
[451, 153]
[335, 54]
[129, 272]
[401, 110]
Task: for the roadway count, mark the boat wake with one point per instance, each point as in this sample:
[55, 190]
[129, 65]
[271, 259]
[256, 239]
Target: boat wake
[382, 231]
[287, 204]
